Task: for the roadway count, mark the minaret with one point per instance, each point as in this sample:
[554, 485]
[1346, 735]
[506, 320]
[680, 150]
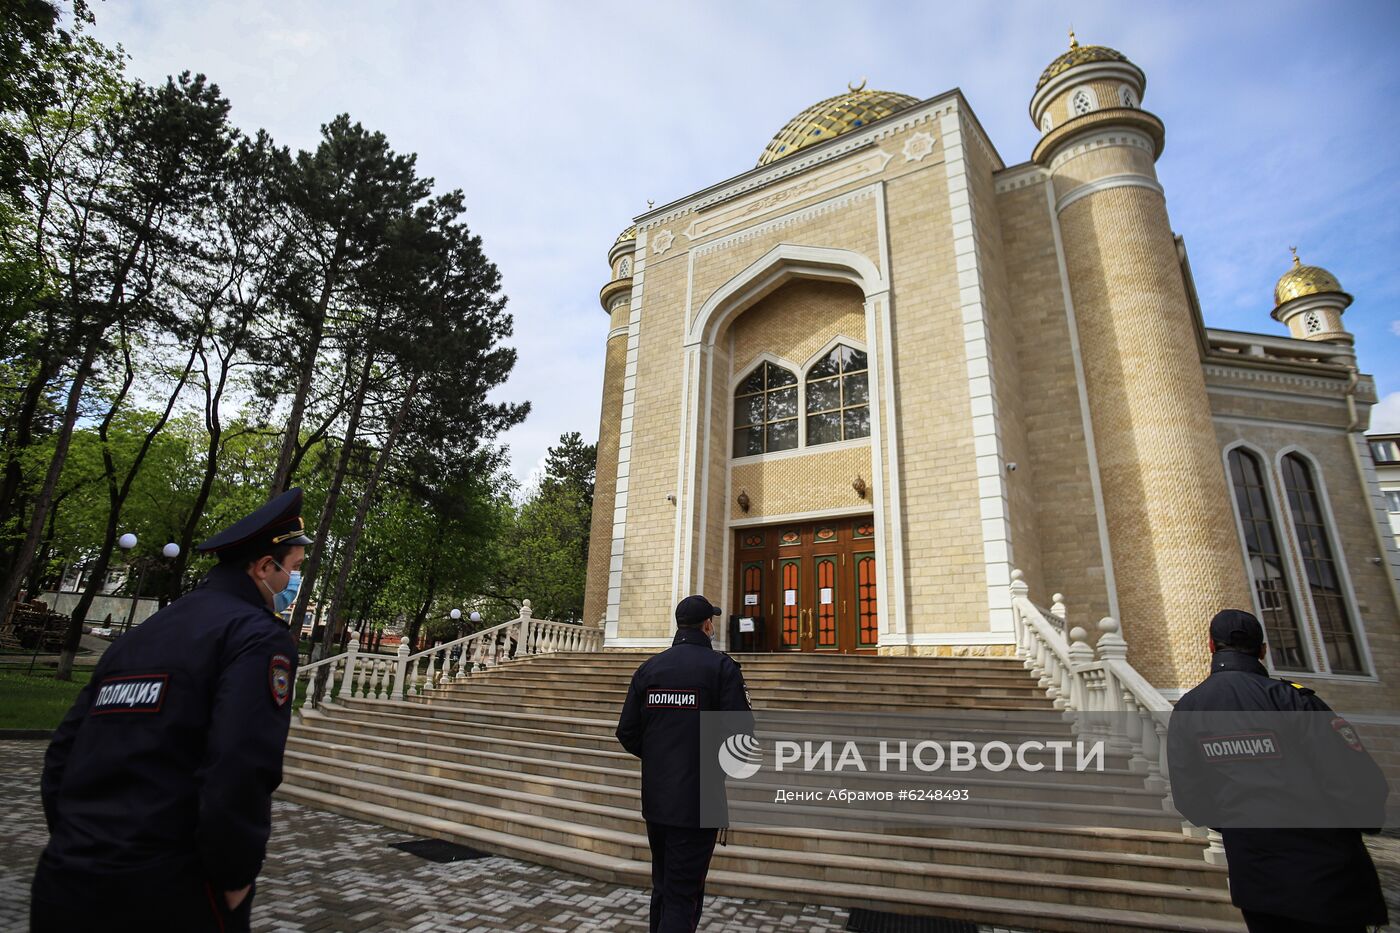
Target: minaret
[616, 297]
[1310, 301]
[1176, 560]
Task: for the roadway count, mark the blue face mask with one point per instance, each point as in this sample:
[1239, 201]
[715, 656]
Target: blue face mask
[280, 601]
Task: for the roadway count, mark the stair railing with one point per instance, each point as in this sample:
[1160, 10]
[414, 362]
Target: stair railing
[1099, 691]
[355, 675]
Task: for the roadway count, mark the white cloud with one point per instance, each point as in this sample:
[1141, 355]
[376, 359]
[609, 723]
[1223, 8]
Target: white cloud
[1395, 328]
[1385, 416]
[559, 120]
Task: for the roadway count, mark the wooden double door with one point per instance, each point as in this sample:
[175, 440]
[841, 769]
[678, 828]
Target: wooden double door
[808, 587]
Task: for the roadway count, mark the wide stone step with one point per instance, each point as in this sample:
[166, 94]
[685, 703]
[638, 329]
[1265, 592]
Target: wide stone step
[796, 676]
[516, 754]
[1057, 901]
[775, 691]
[788, 661]
[988, 801]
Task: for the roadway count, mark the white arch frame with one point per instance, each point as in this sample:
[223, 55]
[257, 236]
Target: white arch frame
[1286, 536]
[783, 263]
[1340, 556]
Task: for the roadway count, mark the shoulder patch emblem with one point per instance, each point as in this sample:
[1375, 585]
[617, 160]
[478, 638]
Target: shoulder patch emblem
[1305, 691]
[1348, 734]
[279, 678]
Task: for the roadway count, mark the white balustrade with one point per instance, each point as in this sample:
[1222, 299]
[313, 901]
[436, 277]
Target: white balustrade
[1102, 694]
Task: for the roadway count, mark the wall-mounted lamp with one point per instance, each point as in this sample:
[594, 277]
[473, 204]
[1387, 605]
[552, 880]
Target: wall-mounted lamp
[858, 484]
[1011, 467]
[671, 498]
[743, 501]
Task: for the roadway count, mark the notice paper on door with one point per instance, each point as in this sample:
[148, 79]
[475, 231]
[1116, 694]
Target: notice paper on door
[789, 597]
[746, 625]
[750, 599]
[826, 596]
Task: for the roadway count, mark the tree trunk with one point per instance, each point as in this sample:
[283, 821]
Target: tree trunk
[282, 478]
[23, 436]
[312, 564]
[366, 497]
[117, 495]
[20, 568]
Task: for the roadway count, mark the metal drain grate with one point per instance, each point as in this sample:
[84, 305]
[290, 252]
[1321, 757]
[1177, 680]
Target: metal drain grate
[874, 921]
[439, 850]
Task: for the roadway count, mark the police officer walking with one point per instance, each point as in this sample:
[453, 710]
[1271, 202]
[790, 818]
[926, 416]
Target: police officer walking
[157, 786]
[1298, 769]
[660, 724]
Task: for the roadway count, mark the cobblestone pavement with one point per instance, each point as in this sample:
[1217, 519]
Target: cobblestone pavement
[328, 873]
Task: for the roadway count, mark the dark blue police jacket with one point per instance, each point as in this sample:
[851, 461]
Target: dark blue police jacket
[172, 751]
[1322, 876]
[660, 722]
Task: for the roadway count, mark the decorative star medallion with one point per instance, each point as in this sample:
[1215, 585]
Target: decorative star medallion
[663, 242]
[918, 146]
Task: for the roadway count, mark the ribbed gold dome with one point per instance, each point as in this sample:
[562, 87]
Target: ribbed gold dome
[629, 234]
[1302, 280]
[833, 117]
[1078, 55]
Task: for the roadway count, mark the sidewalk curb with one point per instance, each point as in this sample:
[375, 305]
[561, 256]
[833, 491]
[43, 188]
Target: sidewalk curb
[35, 734]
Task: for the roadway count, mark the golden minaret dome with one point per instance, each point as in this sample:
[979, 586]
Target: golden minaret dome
[833, 117]
[1301, 281]
[1078, 55]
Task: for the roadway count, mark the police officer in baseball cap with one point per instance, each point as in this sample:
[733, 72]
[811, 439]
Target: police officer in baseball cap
[1306, 879]
[157, 786]
[660, 724]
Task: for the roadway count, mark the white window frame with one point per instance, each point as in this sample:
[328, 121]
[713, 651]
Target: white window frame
[1127, 97]
[1089, 95]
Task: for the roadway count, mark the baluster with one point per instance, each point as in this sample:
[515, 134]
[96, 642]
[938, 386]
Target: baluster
[413, 677]
[352, 654]
[431, 682]
[1137, 760]
[381, 680]
[329, 695]
[1215, 848]
[1057, 608]
[1080, 697]
[400, 671]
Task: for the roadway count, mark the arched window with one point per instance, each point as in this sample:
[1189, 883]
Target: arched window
[765, 411]
[624, 268]
[1126, 97]
[1315, 546]
[1081, 103]
[1312, 323]
[1046, 124]
[1265, 558]
[838, 397]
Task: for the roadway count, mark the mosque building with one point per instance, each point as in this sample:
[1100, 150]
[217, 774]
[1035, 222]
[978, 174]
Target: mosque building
[850, 390]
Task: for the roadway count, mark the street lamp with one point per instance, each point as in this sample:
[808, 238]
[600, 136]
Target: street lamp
[127, 543]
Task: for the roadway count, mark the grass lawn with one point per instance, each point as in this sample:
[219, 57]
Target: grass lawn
[37, 701]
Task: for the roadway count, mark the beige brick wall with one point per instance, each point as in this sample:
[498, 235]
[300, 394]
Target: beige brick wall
[1002, 329]
[645, 609]
[595, 592]
[942, 539]
[1053, 478]
[805, 483]
[796, 321]
[1175, 561]
[1353, 534]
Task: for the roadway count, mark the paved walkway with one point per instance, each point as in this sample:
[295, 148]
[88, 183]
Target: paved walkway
[329, 873]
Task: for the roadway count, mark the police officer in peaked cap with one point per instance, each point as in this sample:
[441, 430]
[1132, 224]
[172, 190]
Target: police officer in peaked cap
[1256, 766]
[157, 786]
[660, 724]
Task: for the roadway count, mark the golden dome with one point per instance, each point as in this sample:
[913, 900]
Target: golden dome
[1078, 55]
[833, 117]
[1301, 281]
[629, 234]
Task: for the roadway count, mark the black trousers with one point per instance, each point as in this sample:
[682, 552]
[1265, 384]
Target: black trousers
[147, 902]
[680, 860]
[1271, 923]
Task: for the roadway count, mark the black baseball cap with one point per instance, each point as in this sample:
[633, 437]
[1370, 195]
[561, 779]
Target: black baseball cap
[1235, 628]
[694, 610]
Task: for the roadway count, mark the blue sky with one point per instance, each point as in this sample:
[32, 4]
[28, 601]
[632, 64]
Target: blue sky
[559, 120]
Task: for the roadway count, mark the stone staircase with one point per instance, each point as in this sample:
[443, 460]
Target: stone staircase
[521, 760]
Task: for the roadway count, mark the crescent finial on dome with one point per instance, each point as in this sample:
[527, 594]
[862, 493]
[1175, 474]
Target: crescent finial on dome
[1073, 42]
[853, 88]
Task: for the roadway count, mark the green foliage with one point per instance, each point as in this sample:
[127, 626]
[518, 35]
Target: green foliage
[36, 701]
